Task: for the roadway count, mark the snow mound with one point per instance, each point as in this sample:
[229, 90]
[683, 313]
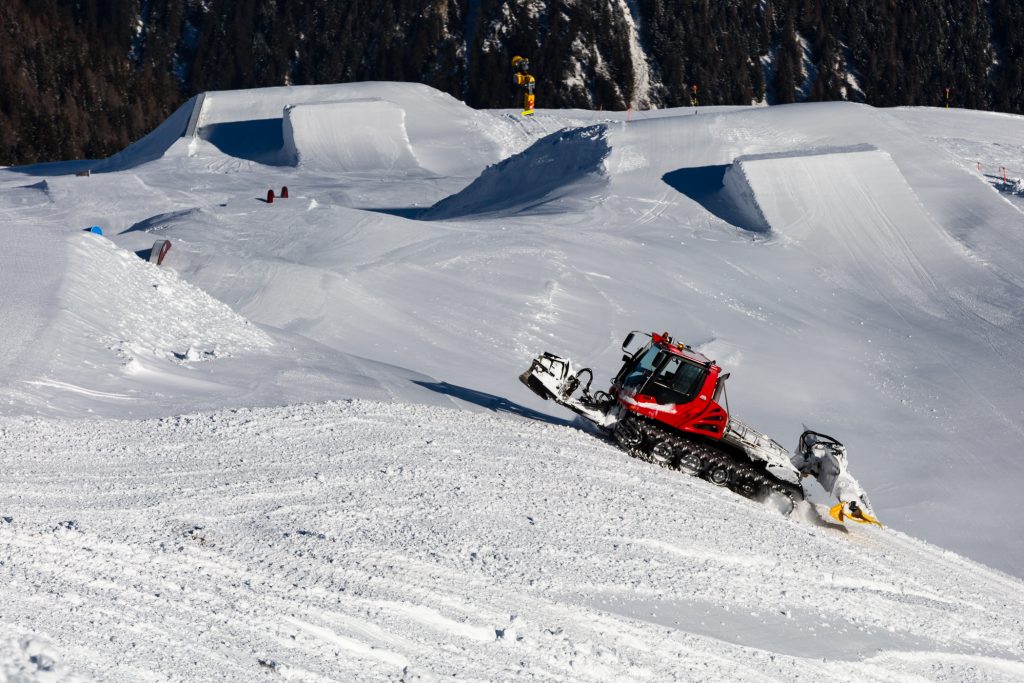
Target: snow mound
[553, 168]
[790, 191]
[357, 136]
[170, 136]
[145, 312]
[32, 195]
[444, 135]
[128, 330]
[855, 205]
[737, 189]
[126, 336]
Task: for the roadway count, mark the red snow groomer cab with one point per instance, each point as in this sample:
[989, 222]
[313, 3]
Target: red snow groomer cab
[669, 382]
[667, 405]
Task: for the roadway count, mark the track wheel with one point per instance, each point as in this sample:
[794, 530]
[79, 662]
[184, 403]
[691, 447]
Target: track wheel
[747, 488]
[719, 475]
[628, 434]
[689, 462]
[663, 452]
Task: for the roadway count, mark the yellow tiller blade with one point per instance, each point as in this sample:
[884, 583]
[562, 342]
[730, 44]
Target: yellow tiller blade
[840, 514]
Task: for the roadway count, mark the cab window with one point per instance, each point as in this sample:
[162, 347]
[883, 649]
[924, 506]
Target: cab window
[677, 381]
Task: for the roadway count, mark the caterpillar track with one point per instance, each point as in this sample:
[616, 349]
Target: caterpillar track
[668, 405]
[651, 443]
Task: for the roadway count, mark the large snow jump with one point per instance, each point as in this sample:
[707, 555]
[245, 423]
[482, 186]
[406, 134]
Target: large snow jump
[800, 192]
[852, 204]
[354, 136]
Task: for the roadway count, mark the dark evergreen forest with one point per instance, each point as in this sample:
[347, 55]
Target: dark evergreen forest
[83, 78]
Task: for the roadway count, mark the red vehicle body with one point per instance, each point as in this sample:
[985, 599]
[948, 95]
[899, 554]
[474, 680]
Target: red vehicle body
[671, 383]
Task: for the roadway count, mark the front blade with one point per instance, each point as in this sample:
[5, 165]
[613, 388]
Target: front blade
[535, 385]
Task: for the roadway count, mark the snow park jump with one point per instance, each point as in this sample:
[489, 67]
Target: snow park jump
[356, 136]
[299, 448]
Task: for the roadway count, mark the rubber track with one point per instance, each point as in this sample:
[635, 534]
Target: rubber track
[741, 474]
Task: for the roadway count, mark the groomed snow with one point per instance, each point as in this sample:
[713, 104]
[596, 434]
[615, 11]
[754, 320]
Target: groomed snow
[299, 448]
[371, 541]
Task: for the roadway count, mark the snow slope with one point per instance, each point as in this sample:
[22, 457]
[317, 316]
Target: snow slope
[556, 167]
[369, 541]
[848, 265]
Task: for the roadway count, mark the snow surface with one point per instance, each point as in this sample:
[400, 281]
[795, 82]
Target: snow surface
[299, 448]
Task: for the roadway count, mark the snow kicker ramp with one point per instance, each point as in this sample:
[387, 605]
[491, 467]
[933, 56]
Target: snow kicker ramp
[446, 136]
[553, 169]
[354, 136]
[853, 207]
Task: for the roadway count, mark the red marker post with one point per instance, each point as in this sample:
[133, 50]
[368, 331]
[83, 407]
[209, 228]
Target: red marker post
[270, 196]
[284, 192]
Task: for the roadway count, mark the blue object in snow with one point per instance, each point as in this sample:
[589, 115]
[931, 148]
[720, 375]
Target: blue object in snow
[96, 230]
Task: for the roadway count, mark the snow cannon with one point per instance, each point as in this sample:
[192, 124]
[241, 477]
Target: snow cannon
[668, 405]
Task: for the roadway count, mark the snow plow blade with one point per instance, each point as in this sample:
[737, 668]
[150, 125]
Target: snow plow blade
[534, 385]
[553, 377]
[550, 377]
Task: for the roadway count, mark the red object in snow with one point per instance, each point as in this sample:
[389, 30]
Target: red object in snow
[159, 251]
[270, 196]
[284, 192]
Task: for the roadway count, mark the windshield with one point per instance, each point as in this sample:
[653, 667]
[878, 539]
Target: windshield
[676, 381]
[643, 368]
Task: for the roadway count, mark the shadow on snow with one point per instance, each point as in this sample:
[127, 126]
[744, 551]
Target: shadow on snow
[490, 401]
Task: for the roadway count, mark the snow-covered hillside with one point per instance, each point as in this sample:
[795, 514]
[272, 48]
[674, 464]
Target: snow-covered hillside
[185, 496]
[372, 541]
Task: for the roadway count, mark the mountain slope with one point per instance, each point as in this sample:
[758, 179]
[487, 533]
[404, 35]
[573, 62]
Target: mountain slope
[877, 301]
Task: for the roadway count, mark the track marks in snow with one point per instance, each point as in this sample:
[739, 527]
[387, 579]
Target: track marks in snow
[365, 541]
[356, 648]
